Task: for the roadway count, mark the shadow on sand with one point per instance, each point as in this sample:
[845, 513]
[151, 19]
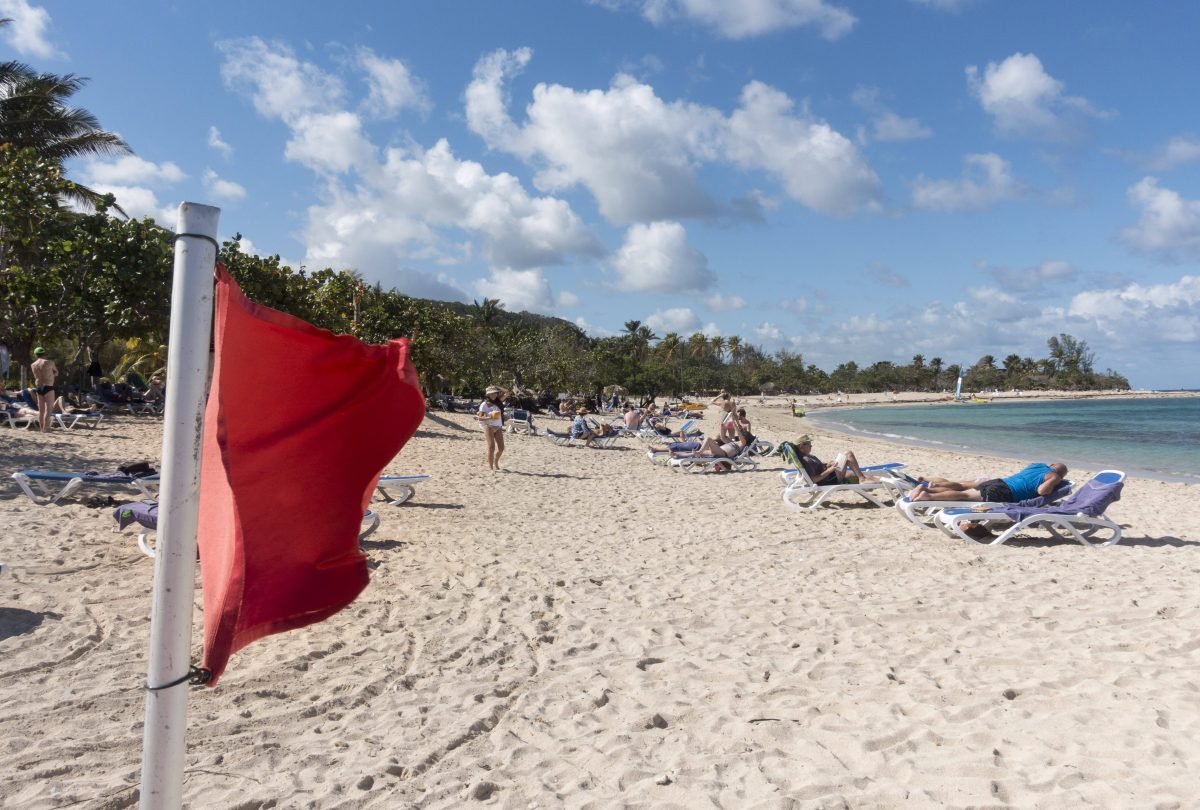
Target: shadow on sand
[18, 622]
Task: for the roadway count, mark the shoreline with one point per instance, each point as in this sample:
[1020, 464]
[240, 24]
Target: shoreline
[816, 414]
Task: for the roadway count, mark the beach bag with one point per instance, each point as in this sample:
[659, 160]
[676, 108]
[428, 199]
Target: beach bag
[137, 469]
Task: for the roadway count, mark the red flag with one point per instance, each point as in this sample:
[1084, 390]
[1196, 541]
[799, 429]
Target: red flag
[299, 424]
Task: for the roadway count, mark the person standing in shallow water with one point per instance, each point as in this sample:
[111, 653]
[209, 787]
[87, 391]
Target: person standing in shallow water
[491, 415]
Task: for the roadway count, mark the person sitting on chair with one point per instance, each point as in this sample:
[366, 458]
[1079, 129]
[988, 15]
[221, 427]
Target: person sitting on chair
[842, 470]
[1038, 478]
[715, 448]
[580, 429]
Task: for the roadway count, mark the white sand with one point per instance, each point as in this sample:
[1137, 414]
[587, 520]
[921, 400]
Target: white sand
[588, 630]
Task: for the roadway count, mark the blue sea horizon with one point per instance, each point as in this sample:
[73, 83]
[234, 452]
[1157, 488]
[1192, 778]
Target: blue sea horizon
[1150, 437]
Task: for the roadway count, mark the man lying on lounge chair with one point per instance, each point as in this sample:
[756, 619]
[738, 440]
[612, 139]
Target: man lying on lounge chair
[1036, 479]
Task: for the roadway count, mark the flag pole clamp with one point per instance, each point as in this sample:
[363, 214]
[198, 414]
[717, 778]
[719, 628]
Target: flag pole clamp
[196, 676]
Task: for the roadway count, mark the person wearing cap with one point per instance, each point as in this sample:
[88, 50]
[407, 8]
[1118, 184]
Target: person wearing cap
[491, 415]
[580, 429]
[44, 372]
[839, 471]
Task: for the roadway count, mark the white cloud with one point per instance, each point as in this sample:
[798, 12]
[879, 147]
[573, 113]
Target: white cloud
[330, 142]
[130, 170]
[27, 32]
[215, 141]
[137, 202]
[638, 154]
[1178, 151]
[797, 306]
[1023, 99]
[1169, 227]
[1158, 313]
[407, 207]
[226, 190]
[987, 179]
[391, 85]
[885, 124]
[678, 319]
[817, 165]
[280, 85]
[132, 182]
[657, 258]
[722, 303]
[768, 332]
[741, 19]
[1033, 278]
[519, 290]
[711, 330]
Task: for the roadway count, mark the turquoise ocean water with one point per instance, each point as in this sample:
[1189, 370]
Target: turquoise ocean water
[1154, 437]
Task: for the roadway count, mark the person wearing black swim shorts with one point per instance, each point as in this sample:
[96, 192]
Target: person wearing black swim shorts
[44, 372]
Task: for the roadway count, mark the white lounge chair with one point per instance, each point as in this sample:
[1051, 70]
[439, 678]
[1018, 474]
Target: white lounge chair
[1079, 517]
[802, 493]
[145, 514]
[742, 462]
[924, 513]
[521, 421]
[67, 421]
[44, 480]
[401, 485]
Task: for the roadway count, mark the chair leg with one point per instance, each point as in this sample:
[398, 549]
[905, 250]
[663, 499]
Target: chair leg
[404, 494]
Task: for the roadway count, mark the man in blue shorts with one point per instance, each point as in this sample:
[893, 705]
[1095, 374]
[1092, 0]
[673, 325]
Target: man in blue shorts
[1038, 478]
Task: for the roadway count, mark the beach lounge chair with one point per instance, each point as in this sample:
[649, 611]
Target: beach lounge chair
[398, 489]
[145, 513]
[924, 513]
[742, 462]
[802, 493]
[67, 421]
[1079, 517]
[15, 419]
[44, 481]
[521, 421]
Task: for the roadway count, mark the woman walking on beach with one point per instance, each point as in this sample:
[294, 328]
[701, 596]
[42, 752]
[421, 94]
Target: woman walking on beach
[491, 414]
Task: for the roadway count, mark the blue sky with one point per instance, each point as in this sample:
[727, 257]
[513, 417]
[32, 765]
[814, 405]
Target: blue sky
[849, 180]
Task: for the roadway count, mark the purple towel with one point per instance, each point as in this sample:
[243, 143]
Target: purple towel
[143, 512]
[1091, 499]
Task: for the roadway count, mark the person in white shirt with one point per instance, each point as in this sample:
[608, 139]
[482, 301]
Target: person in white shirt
[491, 415]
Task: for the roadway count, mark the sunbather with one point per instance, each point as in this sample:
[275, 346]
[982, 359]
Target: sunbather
[842, 470]
[1038, 478]
[716, 448]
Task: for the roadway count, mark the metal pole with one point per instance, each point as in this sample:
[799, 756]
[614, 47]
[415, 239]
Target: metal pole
[164, 745]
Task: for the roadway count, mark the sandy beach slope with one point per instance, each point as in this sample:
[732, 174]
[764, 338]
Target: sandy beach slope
[587, 630]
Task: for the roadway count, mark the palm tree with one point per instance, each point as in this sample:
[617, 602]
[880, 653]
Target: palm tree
[487, 313]
[35, 114]
[734, 344]
[718, 347]
[936, 364]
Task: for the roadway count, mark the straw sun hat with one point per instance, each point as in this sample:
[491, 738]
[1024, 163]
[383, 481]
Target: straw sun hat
[491, 389]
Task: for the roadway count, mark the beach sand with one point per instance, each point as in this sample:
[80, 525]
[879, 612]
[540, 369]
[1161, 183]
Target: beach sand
[588, 630]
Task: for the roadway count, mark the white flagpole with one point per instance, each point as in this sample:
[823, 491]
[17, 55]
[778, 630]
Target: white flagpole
[163, 746]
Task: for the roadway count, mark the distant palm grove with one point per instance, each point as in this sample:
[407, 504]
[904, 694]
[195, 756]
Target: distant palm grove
[79, 278]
